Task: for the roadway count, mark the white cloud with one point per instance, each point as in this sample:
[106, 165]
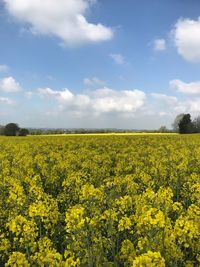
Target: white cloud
[188, 106]
[9, 85]
[192, 88]
[112, 104]
[6, 100]
[162, 104]
[64, 19]
[171, 105]
[194, 106]
[170, 100]
[186, 36]
[93, 81]
[4, 68]
[160, 45]
[62, 96]
[163, 113]
[127, 101]
[100, 101]
[118, 59]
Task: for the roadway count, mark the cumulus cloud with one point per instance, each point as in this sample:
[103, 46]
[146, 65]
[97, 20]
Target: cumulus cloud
[171, 105]
[104, 100]
[170, 100]
[188, 106]
[65, 19]
[6, 100]
[186, 36]
[162, 104]
[64, 96]
[9, 85]
[160, 45]
[4, 68]
[123, 103]
[108, 100]
[194, 106]
[192, 88]
[118, 59]
[93, 81]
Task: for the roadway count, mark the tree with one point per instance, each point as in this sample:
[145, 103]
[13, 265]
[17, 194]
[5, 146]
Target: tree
[1, 130]
[23, 132]
[163, 129]
[185, 124]
[175, 124]
[11, 129]
[196, 124]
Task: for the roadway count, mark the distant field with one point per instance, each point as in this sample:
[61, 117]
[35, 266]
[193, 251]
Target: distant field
[100, 200]
[108, 134]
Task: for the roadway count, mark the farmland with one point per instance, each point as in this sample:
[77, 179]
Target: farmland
[100, 200]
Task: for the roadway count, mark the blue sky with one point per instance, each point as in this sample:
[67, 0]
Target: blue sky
[99, 63]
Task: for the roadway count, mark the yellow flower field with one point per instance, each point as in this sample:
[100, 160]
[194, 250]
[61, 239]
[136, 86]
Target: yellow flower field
[105, 200]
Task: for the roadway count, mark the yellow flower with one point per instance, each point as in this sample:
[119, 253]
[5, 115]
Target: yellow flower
[75, 218]
[149, 259]
[17, 259]
[124, 223]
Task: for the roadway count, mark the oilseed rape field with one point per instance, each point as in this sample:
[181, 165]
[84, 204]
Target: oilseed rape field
[100, 201]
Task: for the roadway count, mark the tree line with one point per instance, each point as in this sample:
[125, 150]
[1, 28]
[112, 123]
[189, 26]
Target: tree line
[13, 129]
[182, 124]
[185, 125]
